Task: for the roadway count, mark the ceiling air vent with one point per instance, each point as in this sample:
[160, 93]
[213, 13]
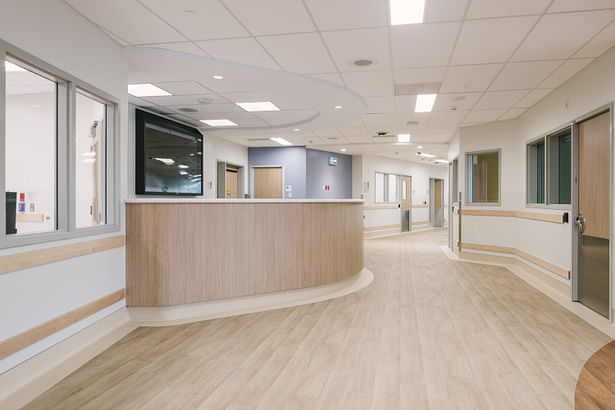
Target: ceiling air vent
[258, 139]
[363, 62]
[187, 109]
[415, 89]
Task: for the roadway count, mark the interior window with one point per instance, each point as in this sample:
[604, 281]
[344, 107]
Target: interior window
[483, 177]
[560, 165]
[31, 147]
[536, 172]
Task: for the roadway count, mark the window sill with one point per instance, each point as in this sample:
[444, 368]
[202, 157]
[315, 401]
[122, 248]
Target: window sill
[51, 237]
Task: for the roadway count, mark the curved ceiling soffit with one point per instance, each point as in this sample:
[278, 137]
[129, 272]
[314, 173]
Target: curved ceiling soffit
[155, 65]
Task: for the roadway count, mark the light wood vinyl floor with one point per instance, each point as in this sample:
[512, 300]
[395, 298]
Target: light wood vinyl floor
[428, 333]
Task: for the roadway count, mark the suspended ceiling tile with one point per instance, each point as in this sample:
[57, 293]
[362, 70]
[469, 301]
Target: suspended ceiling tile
[502, 8]
[491, 41]
[579, 5]
[444, 10]
[512, 114]
[119, 17]
[197, 19]
[524, 76]
[532, 98]
[239, 50]
[500, 99]
[299, 53]
[565, 72]
[599, 44]
[348, 14]
[559, 36]
[469, 78]
[482, 116]
[183, 87]
[348, 46]
[460, 101]
[265, 17]
[370, 83]
[423, 45]
[419, 75]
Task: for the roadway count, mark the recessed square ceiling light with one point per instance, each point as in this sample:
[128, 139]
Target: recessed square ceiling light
[403, 138]
[407, 11]
[146, 90]
[258, 106]
[281, 141]
[425, 102]
[12, 68]
[219, 123]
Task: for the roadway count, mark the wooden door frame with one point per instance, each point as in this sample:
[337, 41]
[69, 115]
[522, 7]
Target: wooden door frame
[575, 205]
[240, 185]
[267, 166]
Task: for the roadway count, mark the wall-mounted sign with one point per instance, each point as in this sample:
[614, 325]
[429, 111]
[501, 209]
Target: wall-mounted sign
[289, 188]
[333, 161]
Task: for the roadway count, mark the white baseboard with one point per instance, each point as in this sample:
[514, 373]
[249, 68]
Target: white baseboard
[25, 382]
[215, 309]
[549, 285]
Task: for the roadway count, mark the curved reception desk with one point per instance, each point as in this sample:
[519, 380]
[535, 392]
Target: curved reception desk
[189, 251]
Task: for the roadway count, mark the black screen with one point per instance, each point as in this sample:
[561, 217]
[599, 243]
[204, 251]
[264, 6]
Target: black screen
[169, 157]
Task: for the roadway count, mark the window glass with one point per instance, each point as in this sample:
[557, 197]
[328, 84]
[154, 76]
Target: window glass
[560, 158]
[31, 149]
[379, 187]
[483, 177]
[536, 172]
[91, 133]
[392, 188]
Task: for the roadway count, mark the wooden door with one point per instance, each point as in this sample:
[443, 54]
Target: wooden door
[592, 223]
[438, 194]
[405, 193]
[594, 169]
[231, 183]
[268, 182]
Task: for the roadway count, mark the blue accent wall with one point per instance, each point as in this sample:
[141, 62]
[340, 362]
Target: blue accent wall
[293, 159]
[319, 173]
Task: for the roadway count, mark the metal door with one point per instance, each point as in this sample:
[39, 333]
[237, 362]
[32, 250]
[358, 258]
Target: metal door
[591, 213]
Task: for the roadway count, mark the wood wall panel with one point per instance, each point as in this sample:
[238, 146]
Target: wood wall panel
[564, 273]
[179, 253]
[536, 216]
[24, 260]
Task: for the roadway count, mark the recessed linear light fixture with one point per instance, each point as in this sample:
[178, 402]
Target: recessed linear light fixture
[403, 138]
[219, 123]
[440, 161]
[218, 77]
[297, 129]
[165, 161]
[343, 150]
[258, 106]
[425, 102]
[146, 90]
[338, 107]
[12, 68]
[407, 11]
[419, 147]
[281, 141]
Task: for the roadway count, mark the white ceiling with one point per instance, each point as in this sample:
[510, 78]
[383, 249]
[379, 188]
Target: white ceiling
[493, 58]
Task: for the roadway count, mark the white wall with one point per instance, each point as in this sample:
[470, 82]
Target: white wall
[589, 90]
[420, 173]
[56, 34]
[219, 149]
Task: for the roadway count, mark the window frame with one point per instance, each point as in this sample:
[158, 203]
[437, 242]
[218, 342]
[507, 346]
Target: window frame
[386, 188]
[547, 195]
[542, 138]
[65, 154]
[486, 151]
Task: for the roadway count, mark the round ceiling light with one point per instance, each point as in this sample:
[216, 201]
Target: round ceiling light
[363, 62]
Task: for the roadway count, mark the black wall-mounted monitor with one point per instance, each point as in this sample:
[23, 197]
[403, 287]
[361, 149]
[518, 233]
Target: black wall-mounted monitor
[169, 157]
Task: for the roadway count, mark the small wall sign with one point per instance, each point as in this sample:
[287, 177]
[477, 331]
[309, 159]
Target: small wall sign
[333, 161]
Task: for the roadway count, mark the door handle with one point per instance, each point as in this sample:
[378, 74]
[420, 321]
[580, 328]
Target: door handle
[580, 222]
